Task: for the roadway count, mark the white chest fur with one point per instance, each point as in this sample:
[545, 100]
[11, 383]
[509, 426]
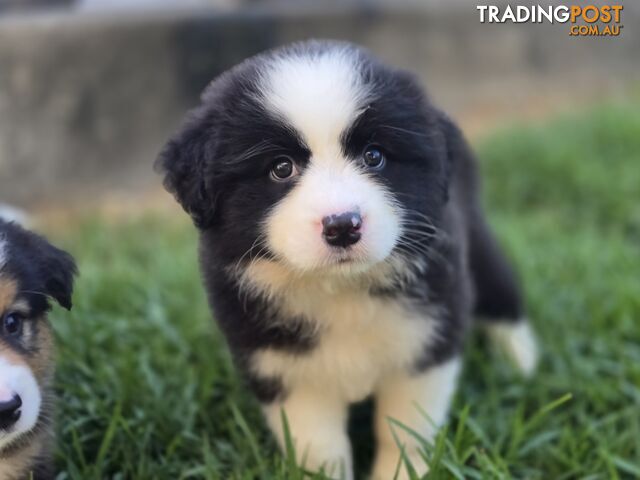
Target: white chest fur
[361, 339]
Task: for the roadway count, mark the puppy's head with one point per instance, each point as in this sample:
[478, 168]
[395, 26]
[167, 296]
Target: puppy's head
[31, 272]
[315, 156]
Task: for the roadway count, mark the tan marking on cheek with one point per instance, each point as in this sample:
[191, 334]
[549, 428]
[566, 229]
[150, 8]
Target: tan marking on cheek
[10, 355]
[8, 291]
[41, 362]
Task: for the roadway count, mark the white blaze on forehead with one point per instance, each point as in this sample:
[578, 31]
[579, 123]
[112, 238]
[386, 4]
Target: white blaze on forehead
[320, 94]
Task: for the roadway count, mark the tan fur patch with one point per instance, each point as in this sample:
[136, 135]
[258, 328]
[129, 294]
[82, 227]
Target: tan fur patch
[274, 279]
[40, 363]
[17, 466]
[8, 291]
[362, 338]
[38, 338]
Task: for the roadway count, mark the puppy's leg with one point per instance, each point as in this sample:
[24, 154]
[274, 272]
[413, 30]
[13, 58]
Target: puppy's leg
[518, 341]
[318, 426]
[498, 298]
[419, 402]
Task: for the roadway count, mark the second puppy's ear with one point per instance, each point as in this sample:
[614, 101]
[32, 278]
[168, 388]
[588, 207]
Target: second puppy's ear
[458, 154]
[52, 269]
[184, 162]
[59, 271]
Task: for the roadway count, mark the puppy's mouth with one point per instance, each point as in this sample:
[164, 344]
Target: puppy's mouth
[347, 261]
[343, 257]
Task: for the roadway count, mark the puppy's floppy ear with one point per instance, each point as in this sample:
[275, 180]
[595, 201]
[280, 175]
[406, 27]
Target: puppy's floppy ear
[58, 269]
[53, 269]
[184, 161]
[458, 154]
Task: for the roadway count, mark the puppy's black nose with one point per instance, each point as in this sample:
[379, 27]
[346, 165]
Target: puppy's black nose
[342, 230]
[10, 412]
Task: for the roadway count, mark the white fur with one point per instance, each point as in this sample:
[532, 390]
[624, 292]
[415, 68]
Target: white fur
[519, 343]
[420, 403]
[362, 339]
[332, 186]
[19, 380]
[317, 422]
[320, 96]
[13, 214]
[363, 343]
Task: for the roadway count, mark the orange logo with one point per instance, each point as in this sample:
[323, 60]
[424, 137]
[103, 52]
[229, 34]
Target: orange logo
[601, 21]
[585, 20]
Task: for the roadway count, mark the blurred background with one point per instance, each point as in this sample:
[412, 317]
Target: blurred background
[90, 91]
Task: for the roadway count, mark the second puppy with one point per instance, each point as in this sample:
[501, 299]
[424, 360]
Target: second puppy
[31, 272]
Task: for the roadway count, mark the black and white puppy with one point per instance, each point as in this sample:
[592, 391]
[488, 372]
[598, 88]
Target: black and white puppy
[31, 272]
[342, 245]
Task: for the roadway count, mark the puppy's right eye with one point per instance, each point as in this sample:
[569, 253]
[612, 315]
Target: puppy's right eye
[373, 157]
[12, 324]
[283, 169]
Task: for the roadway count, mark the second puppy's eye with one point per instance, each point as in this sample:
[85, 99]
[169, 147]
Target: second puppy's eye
[283, 169]
[373, 157]
[12, 324]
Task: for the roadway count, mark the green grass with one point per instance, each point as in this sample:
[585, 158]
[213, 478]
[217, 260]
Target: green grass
[147, 389]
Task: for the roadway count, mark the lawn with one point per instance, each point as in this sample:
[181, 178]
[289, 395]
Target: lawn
[147, 389]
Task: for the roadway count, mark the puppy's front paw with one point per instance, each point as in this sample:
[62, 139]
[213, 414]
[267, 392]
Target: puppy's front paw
[317, 426]
[389, 466]
[334, 460]
[519, 343]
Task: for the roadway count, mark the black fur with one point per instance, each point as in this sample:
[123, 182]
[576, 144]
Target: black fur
[41, 270]
[430, 172]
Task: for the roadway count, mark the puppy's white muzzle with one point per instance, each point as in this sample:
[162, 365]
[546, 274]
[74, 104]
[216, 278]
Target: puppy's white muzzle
[20, 401]
[339, 214]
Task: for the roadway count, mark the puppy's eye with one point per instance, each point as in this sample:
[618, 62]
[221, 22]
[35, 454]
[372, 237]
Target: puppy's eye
[283, 169]
[373, 157]
[12, 324]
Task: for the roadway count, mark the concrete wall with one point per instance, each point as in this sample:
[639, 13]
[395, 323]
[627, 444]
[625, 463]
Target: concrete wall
[87, 100]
